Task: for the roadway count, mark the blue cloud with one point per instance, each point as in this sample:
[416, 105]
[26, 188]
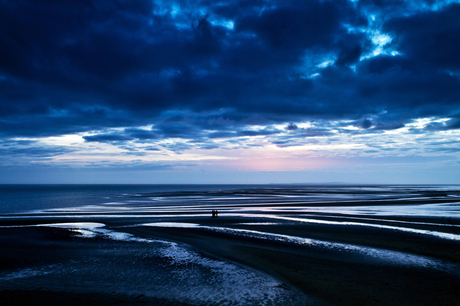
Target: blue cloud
[87, 66]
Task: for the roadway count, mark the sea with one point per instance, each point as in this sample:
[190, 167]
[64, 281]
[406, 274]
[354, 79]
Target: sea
[20, 199]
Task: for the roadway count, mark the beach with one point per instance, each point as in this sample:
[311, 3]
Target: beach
[268, 246]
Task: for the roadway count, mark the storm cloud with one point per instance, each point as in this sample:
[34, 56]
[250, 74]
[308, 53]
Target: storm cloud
[204, 70]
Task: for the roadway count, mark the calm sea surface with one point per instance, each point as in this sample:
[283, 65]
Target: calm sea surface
[23, 198]
[365, 200]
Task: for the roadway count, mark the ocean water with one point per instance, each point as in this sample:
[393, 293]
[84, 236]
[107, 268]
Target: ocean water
[170, 270]
[24, 198]
[333, 200]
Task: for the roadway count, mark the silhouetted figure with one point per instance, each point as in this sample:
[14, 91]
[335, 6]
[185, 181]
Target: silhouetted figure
[213, 213]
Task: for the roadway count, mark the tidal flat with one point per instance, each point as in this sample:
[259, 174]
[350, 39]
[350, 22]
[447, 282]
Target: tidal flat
[269, 245]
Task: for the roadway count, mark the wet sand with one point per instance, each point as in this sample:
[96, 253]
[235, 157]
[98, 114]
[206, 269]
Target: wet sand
[58, 266]
[335, 277]
[326, 275]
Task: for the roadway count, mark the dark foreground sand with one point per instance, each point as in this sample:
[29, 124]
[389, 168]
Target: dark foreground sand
[334, 278]
[28, 248]
[328, 277]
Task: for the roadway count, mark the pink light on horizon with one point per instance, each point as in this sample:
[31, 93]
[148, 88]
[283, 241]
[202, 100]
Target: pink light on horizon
[281, 164]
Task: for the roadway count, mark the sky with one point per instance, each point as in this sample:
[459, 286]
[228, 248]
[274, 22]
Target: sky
[262, 91]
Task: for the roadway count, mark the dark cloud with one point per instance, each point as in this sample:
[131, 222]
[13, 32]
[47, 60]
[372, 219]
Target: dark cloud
[31, 149]
[314, 132]
[210, 146]
[451, 124]
[263, 132]
[298, 26]
[286, 143]
[388, 125]
[213, 69]
[106, 138]
[445, 150]
[175, 128]
[292, 127]
[141, 134]
[430, 37]
[351, 47]
[365, 124]
[151, 148]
